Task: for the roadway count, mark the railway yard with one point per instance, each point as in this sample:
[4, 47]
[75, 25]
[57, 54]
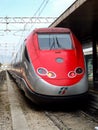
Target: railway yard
[19, 113]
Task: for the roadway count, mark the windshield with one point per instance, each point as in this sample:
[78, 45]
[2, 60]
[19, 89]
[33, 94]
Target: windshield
[54, 41]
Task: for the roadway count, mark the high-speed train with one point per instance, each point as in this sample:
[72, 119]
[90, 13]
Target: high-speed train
[50, 63]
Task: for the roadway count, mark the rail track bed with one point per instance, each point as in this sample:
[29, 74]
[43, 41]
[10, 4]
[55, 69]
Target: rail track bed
[19, 113]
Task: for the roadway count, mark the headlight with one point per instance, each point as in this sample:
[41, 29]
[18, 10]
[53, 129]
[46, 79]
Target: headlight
[42, 71]
[79, 70]
[74, 73]
[51, 74]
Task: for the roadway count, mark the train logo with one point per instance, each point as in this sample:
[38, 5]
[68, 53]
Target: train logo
[63, 90]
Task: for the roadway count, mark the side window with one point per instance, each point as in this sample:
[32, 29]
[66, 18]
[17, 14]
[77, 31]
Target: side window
[26, 54]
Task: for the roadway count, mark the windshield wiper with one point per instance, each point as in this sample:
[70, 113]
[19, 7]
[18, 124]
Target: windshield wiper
[53, 44]
[58, 44]
[55, 41]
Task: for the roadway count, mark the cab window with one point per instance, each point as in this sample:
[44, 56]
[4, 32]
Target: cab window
[54, 41]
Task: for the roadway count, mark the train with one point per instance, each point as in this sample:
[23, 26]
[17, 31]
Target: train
[50, 65]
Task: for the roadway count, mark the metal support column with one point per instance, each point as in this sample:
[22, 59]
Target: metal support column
[95, 67]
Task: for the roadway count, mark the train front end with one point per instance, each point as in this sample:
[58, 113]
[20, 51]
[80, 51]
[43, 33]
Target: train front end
[58, 62]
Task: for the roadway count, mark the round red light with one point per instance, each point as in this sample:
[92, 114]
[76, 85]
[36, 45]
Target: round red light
[71, 74]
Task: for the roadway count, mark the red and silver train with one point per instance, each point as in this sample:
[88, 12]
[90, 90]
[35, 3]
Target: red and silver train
[50, 63]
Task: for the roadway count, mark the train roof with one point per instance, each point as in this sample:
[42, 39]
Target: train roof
[46, 30]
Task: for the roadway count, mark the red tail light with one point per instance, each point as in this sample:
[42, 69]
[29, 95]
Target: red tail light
[71, 74]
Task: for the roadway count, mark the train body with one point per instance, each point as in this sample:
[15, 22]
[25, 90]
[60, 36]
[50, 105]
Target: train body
[50, 63]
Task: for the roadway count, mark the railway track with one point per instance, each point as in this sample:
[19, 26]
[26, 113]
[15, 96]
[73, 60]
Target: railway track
[72, 121]
[19, 113]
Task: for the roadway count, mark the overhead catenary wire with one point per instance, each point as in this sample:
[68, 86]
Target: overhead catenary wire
[40, 10]
[36, 14]
[43, 7]
[23, 34]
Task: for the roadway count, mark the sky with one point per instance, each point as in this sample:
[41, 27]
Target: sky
[29, 7]
[9, 40]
